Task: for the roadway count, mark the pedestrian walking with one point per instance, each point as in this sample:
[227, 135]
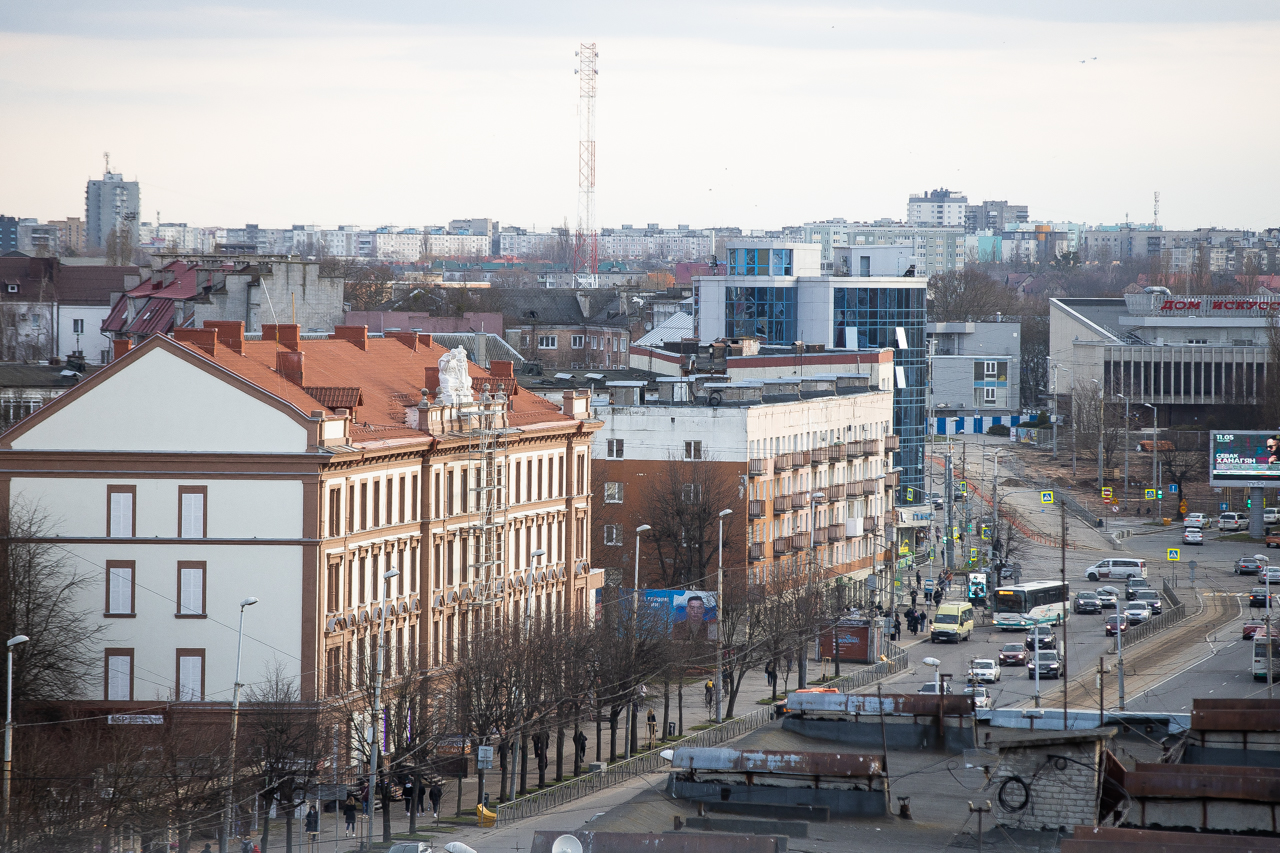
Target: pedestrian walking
[771, 674]
[420, 791]
[408, 795]
[207, 848]
[709, 692]
[913, 597]
[313, 825]
[580, 744]
[349, 812]
[897, 627]
[652, 720]
[919, 580]
[435, 795]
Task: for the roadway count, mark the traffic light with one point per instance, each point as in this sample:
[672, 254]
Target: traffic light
[1248, 503]
[1160, 494]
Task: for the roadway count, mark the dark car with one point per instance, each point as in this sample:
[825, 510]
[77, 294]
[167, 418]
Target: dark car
[1258, 596]
[1050, 665]
[1249, 566]
[1044, 636]
[1107, 596]
[1087, 602]
[1119, 622]
[1134, 585]
[1251, 627]
[1152, 598]
[1013, 654]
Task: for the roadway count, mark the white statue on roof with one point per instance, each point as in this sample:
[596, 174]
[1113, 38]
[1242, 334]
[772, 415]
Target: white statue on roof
[455, 380]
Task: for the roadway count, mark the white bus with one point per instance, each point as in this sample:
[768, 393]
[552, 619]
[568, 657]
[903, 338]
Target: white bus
[1260, 657]
[1025, 605]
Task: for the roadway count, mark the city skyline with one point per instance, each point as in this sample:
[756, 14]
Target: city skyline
[413, 115]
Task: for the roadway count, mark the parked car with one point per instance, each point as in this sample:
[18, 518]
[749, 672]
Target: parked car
[1117, 568]
[936, 500]
[1249, 566]
[1116, 623]
[1135, 585]
[1137, 612]
[1107, 596]
[1269, 574]
[1043, 636]
[1271, 515]
[1013, 654]
[1192, 536]
[981, 696]
[1273, 541]
[1050, 665]
[1233, 521]
[1258, 596]
[984, 670]
[410, 847]
[930, 688]
[1087, 602]
[1251, 627]
[1152, 599]
[1195, 519]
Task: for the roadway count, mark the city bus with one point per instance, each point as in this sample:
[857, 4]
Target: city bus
[1260, 657]
[1025, 605]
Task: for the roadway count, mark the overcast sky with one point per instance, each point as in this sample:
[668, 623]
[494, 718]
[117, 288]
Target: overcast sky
[753, 114]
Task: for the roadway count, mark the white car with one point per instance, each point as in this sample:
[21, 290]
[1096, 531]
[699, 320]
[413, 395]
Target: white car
[1271, 515]
[930, 688]
[1233, 521]
[981, 698]
[1196, 519]
[984, 670]
[1122, 568]
[1137, 612]
[1192, 536]
[1270, 574]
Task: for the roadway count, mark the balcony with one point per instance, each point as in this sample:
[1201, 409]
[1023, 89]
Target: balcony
[820, 455]
[855, 488]
[820, 536]
[781, 545]
[890, 443]
[871, 447]
[755, 551]
[836, 532]
[870, 524]
[755, 509]
[799, 541]
[822, 495]
[758, 467]
[891, 479]
[853, 450]
[835, 492]
[782, 503]
[800, 500]
[782, 462]
[801, 459]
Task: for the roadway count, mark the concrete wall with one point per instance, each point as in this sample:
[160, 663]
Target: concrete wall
[840, 802]
[667, 842]
[1061, 792]
[899, 732]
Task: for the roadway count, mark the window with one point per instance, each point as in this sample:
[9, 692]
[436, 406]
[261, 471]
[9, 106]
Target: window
[691, 493]
[121, 513]
[77, 327]
[613, 448]
[401, 498]
[612, 535]
[988, 368]
[613, 493]
[989, 396]
[364, 506]
[118, 675]
[546, 341]
[193, 519]
[577, 341]
[693, 450]
[333, 585]
[191, 588]
[377, 502]
[121, 593]
[190, 675]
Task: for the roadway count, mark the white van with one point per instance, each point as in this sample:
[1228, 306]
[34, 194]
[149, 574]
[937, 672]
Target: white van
[1233, 521]
[1119, 568]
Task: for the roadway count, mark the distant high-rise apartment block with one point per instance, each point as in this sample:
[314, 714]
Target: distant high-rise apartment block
[934, 249]
[994, 216]
[942, 208]
[8, 234]
[70, 234]
[111, 203]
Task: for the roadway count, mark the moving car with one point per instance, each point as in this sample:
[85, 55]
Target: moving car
[1134, 585]
[1251, 627]
[1152, 599]
[410, 847]
[1137, 612]
[1013, 654]
[1258, 596]
[1117, 568]
[981, 697]
[1087, 602]
[984, 670]
[1050, 666]
[1249, 566]
[936, 500]
[1107, 596]
[1270, 574]
[1192, 536]
[1233, 521]
[952, 623]
[930, 688]
[1042, 635]
[1195, 519]
[1114, 623]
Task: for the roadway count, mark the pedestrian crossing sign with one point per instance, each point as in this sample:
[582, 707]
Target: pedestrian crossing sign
[1046, 497]
[1149, 494]
[1174, 555]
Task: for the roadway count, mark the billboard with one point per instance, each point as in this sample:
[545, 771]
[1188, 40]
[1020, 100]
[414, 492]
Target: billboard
[1244, 458]
[691, 613]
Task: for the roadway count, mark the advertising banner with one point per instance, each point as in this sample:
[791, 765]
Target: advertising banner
[1244, 458]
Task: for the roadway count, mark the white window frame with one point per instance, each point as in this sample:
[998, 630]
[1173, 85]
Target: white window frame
[119, 676]
[191, 512]
[190, 677]
[989, 396]
[577, 341]
[612, 534]
[192, 577]
[121, 512]
[613, 493]
[691, 493]
[990, 368]
[548, 342]
[121, 592]
[614, 448]
[693, 450]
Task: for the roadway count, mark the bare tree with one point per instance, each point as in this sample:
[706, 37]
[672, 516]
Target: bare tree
[682, 503]
[969, 295]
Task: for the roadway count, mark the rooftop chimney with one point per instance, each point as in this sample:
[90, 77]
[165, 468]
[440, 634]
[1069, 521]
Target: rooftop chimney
[288, 335]
[358, 335]
[424, 340]
[119, 347]
[230, 333]
[205, 339]
[409, 339]
[289, 365]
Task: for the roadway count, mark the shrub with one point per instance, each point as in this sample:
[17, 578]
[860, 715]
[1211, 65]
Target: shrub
[998, 429]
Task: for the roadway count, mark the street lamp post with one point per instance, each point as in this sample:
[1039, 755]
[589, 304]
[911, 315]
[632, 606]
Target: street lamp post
[528, 629]
[1126, 450]
[375, 719]
[1155, 441]
[8, 735]
[235, 720]
[724, 513]
[1102, 410]
[635, 628]
[937, 678]
[813, 555]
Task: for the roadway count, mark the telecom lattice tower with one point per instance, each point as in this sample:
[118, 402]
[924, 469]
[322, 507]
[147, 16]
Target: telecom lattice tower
[585, 249]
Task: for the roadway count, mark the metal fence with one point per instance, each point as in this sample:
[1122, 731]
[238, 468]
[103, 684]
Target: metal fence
[1176, 612]
[542, 801]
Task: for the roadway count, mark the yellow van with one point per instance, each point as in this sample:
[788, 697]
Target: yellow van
[952, 623]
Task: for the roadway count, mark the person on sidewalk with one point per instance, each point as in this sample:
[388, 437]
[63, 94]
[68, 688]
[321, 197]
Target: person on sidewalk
[435, 795]
[408, 795]
[919, 580]
[420, 793]
[313, 826]
[349, 813]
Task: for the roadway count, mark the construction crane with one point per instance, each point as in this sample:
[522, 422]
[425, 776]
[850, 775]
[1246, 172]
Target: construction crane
[585, 244]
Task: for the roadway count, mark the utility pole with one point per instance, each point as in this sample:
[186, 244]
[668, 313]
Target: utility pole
[1126, 450]
[949, 559]
[1066, 609]
[1102, 412]
[1102, 705]
[1120, 652]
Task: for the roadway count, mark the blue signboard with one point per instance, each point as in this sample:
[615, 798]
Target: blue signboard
[1222, 507]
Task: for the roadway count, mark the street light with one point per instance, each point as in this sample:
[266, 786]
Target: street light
[8, 735]
[937, 678]
[375, 718]
[1266, 579]
[1155, 440]
[724, 513]
[1126, 450]
[235, 720]
[628, 725]
[1102, 406]
[813, 559]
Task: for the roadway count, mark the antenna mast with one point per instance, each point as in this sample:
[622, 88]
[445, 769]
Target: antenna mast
[106, 161]
[585, 255]
[1155, 216]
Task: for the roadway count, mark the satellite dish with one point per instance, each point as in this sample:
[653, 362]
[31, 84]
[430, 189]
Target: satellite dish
[566, 844]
